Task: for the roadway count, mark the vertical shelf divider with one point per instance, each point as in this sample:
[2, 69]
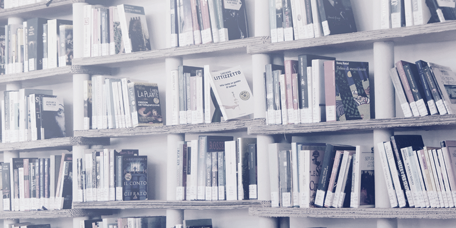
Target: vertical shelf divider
[173, 216]
[384, 108]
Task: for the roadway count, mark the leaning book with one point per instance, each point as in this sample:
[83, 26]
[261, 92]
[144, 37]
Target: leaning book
[232, 93]
[135, 33]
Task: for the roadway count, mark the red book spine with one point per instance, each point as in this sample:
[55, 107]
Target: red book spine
[330, 91]
[205, 13]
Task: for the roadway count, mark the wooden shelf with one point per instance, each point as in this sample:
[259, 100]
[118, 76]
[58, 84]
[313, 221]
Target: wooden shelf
[356, 213]
[158, 204]
[67, 213]
[53, 75]
[114, 60]
[404, 35]
[354, 125]
[40, 9]
[55, 143]
[172, 129]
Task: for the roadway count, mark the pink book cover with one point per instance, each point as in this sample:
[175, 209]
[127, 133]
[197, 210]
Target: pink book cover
[295, 89]
[404, 81]
[334, 175]
[26, 178]
[330, 90]
[205, 13]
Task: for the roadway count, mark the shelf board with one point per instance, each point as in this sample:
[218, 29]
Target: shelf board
[55, 143]
[353, 125]
[405, 35]
[66, 213]
[53, 75]
[158, 204]
[171, 129]
[356, 213]
[114, 60]
[40, 9]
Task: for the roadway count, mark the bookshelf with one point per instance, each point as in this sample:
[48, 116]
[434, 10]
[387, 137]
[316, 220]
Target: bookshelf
[53, 214]
[260, 51]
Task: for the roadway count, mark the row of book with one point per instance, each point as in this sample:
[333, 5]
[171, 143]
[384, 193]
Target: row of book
[417, 175]
[424, 88]
[321, 175]
[114, 30]
[200, 95]
[31, 184]
[207, 21]
[111, 102]
[402, 13]
[29, 225]
[302, 19]
[109, 175]
[217, 168]
[32, 114]
[125, 222]
[317, 89]
[38, 43]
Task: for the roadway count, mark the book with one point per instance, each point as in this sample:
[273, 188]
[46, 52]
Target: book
[273, 21]
[285, 178]
[407, 88]
[185, 24]
[53, 37]
[135, 34]
[405, 106]
[430, 102]
[232, 93]
[444, 78]
[287, 22]
[146, 102]
[134, 178]
[235, 19]
[242, 166]
[395, 175]
[387, 174]
[333, 178]
[271, 105]
[231, 170]
[420, 11]
[52, 117]
[6, 186]
[336, 17]
[273, 151]
[397, 14]
[66, 45]
[363, 184]
[318, 91]
[35, 43]
[252, 166]
[310, 159]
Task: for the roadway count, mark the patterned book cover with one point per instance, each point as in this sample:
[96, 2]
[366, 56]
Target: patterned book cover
[147, 102]
[135, 178]
[352, 85]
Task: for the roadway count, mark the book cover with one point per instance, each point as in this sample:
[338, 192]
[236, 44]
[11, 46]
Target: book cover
[421, 78]
[397, 14]
[52, 117]
[35, 43]
[271, 105]
[134, 178]
[285, 178]
[407, 88]
[135, 34]
[405, 106]
[66, 45]
[352, 83]
[232, 92]
[235, 19]
[252, 164]
[363, 183]
[148, 106]
[53, 36]
[310, 157]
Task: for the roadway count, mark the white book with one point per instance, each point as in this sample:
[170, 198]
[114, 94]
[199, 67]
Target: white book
[316, 19]
[344, 183]
[295, 13]
[173, 81]
[450, 163]
[318, 91]
[198, 114]
[193, 180]
[107, 174]
[87, 29]
[387, 174]
[394, 174]
[120, 104]
[340, 187]
[272, 21]
[408, 13]
[421, 180]
[426, 172]
[385, 19]
[52, 43]
[235, 100]
[445, 178]
[230, 170]
[273, 151]
[421, 13]
[438, 178]
[433, 179]
[363, 162]
[126, 102]
[25, 64]
[111, 104]
[419, 199]
[22, 200]
[14, 114]
[214, 21]
[400, 93]
[180, 188]
[2, 110]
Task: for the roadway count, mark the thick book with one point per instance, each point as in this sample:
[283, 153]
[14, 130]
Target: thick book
[135, 34]
[336, 17]
[232, 92]
[407, 88]
[411, 71]
[35, 43]
[135, 178]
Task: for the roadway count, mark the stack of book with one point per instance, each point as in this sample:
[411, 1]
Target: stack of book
[317, 89]
[417, 175]
[200, 95]
[302, 19]
[108, 175]
[321, 175]
[114, 30]
[424, 88]
[31, 114]
[207, 21]
[111, 102]
[217, 168]
[31, 184]
[37, 44]
[402, 13]
[127, 222]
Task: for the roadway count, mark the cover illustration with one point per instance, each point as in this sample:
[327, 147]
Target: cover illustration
[135, 178]
[148, 103]
[234, 19]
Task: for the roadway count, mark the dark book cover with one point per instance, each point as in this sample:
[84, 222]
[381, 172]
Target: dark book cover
[173, 14]
[339, 16]
[6, 186]
[235, 19]
[35, 43]
[46, 177]
[136, 28]
[285, 178]
[66, 45]
[153, 222]
[135, 178]
[348, 183]
[279, 14]
[118, 169]
[435, 91]
[410, 70]
[352, 84]
[52, 117]
[37, 226]
[67, 190]
[45, 46]
[252, 165]
[270, 93]
[148, 104]
[397, 14]
[42, 179]
[421, 78]
[88, 223]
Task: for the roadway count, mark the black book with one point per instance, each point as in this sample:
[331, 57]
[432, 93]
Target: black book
[67, 190]
[252, 164]
[417, 91]
[134, 178]
[119, 155]
[235, 19]
[153, 222]
[52, 117]
[348, 184]
[35, 43]
[421, 78]
[37, 226]
[88, 223]
[336, 17]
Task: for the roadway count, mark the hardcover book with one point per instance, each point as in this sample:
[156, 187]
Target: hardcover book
[446, 82]
[134, 178]
[135, 34]
[232, 93]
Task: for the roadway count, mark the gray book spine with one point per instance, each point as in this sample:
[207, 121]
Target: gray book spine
[221, 174]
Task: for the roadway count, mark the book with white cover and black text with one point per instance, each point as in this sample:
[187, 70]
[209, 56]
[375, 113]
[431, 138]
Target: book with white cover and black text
[232, 93]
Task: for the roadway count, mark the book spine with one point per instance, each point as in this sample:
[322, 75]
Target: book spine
[445, 178]
[182, 97]
[25, 50]
[434, 90]
[401, 169]
[289, 92]
[408, 13]
[420, 12]
[279, 20]
[253, 188]
[449, 164]
[318, 101]
[283, 99]
[323, 180]
[386, 172]
[126, 104]
[419, 199]
[432, 178]
[425, 172]
[332, 184]
[104, 31]
[132, 98]
[214, 21]
[206, 34]
[202, 148]
[419, 170]
[87, 107]
[340, 178]
[323, 18]
[6, 186]
[408, 91]
[295, 91]
[52, 43]
[270, 112]
[7, 48]
[274, 174]
[180, 189]
[199, 115]
[174, 31]
[416, 91]
[208, 176]
[277, 99]
[438, 178]
[427, 91]
[174, 82]
[22, 199]
[330, 90]
[400, 93]
[214, 176]
[272, 21]
[230, 170]
[87, 31]
[284, 178]
[193, 168]
[45, 46]
[303, 178]
[396, 14]
[124, 27]
[119, 174]
[188, 91]
[316, 19]
[223, 31]
[296, 13]
[385, 20]
[196, 28]
[398, 186]
[287, 20]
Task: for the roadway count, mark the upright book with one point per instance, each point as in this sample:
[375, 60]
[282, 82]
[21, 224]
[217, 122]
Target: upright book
[336, 16]
[235, 19]
[134, 178]
[135, 34]
[145, 104]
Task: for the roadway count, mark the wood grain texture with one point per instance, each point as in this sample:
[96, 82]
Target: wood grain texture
[354, 125]
[60, 72]
[67, 213]
[356, 213]
[158, 204]
[171, 129]
[55, 143]
[112, 60]
[407, 34]
[37, 10]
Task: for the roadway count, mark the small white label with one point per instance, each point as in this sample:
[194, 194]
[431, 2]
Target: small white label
[310, 31]
[189, 116]
[280, 37]
[341, 199]
[417, 17]
[432, 107]
[273, 35]
[197, 36]
[284, 116]
[302, 32]
[440, 15]
[231, 193]
[422, 107]
[182, 117]
[441, 107]
[278, 117]
[214, 193]
[271, 117]
[354, 200]
[414, 108]
[288, 33]
[396, 20]
[180, 193]
[406, 110]
[325, 27]
[6, 204]
[329, 198]
[286, 199]
[291, 116]
[112, 48]
[223, 34]
[221, 192]
[119, 194]
[295, 198]
[105, 49]
[31, 64]
[319, 198]
[330, 113]
[208, 195]
[206, 36]
[232, 4]
[26, 66]
[306, 115]
[274, 199]
[201, 192]
[253, 191]
[95, 50]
